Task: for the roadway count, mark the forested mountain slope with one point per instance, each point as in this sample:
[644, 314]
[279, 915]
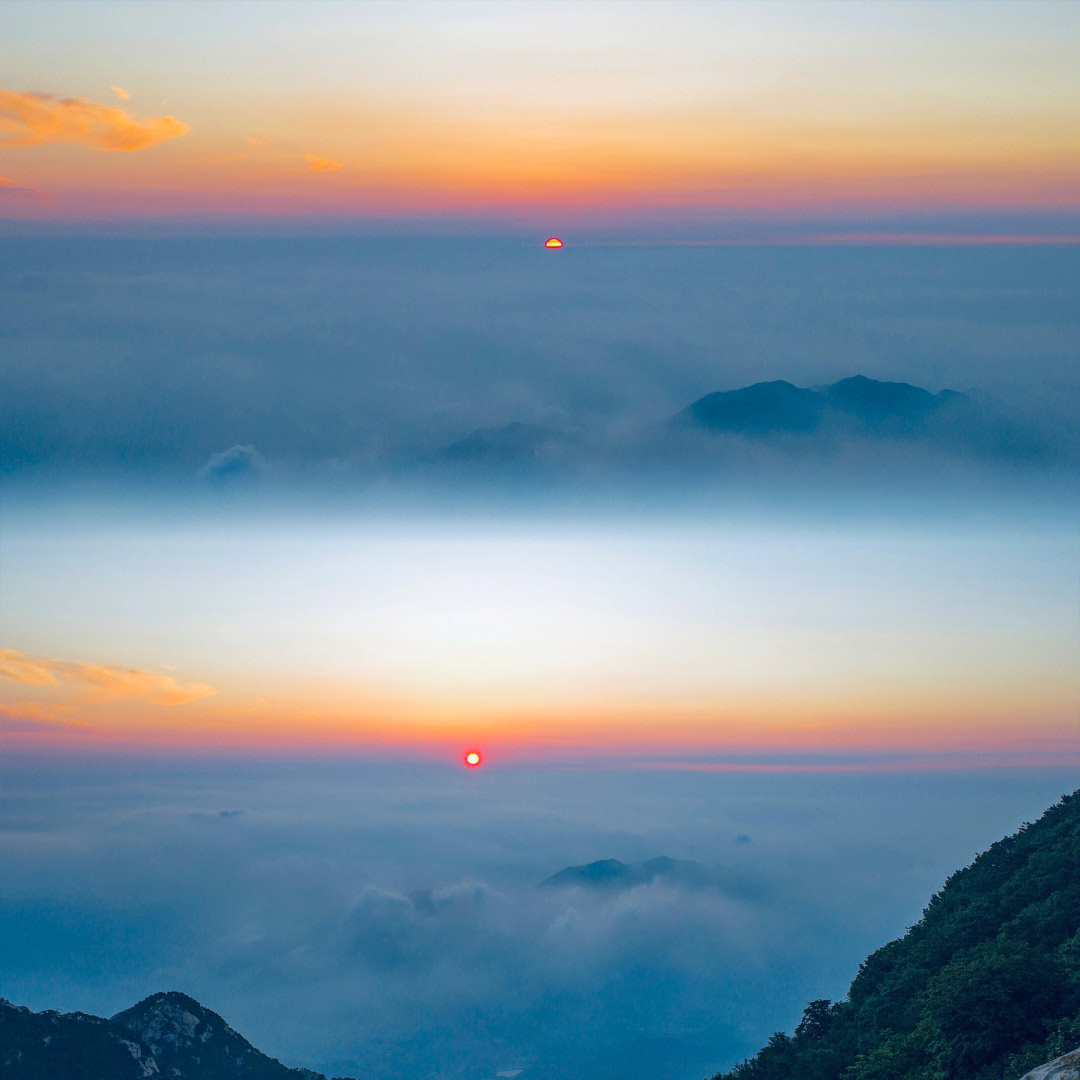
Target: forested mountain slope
[984, 987]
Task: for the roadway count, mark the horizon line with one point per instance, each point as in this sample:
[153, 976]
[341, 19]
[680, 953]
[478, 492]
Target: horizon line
[455, 230]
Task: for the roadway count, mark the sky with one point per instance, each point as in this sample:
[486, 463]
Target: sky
[631, 119]
[541, 641]
[319, 470]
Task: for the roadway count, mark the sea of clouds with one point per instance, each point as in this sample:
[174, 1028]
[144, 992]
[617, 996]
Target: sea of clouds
[387, 919]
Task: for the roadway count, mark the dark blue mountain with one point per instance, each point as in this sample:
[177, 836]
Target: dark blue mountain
[612, 874]
[856, 406]
[768, 408]
[774, 415]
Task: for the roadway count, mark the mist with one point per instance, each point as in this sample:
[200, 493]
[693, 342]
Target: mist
[162, 356]
[340, 919]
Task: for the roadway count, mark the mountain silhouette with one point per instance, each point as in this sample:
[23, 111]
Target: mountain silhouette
[856, 406]
[775, 414]
[612, 874]
[167, 1035]
[767, 408]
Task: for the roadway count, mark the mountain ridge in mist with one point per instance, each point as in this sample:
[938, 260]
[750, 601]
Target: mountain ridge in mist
[613, 874]
[775, 418]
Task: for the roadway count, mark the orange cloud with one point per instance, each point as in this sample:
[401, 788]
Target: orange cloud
[33, 119]
[321, 164]
[100, 682]
[121, 93]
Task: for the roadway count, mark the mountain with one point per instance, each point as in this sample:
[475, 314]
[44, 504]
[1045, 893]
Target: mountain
[486, 446]
[856, 406]
[764, 409]
[878, 404]
[773, 416]
[612, 874]
[168, 1035]
[516, 446]
[68, 1046]
[984, 987]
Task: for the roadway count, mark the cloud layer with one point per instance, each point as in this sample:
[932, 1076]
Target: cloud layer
[384, 920]
[100, 682]
[343, 350]
[34, 119]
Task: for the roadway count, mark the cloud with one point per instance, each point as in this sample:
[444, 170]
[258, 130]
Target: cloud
[399, 901]
[321, 164]
[33, 119]
[238, 462]
[121, 93]
[101, 682]
[30, 718]
[252, 141]
[9, 187]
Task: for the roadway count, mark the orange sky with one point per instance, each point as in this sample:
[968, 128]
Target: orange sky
[570, 112]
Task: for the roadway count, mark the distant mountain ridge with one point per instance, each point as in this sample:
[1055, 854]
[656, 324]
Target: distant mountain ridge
[859, 405]
[167, 1035]
[778, 414]
[612, 874]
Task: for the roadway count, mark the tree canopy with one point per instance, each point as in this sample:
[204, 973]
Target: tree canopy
[984, 987]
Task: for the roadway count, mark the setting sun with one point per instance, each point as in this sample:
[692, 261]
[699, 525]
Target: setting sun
[553, 242]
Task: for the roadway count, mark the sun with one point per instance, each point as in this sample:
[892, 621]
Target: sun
[552, 242]
[472, 759]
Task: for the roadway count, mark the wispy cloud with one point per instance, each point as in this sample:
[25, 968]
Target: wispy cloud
[121, 93]
[100, 682]
[31, 718]
[10, 188]
[238, 461]
[321, 164]
[33, 119]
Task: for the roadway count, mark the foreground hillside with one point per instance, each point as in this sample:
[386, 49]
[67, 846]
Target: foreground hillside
[166, 1035]
[984, 987]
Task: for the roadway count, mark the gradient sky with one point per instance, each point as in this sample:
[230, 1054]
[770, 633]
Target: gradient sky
[798, 640]
[630, 118]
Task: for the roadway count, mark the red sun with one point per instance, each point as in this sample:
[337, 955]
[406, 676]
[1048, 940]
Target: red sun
[552, 242]
[472, 759]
